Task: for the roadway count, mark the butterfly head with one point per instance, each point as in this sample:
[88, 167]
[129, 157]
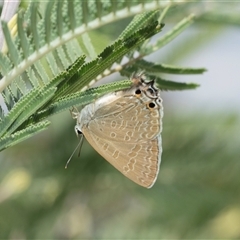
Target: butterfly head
[78, 131]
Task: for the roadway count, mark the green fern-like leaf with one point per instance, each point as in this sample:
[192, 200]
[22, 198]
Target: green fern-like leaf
[50, 64]
[18, 136]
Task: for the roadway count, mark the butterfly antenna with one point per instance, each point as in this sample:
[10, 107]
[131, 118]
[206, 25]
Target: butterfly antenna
[78, 146]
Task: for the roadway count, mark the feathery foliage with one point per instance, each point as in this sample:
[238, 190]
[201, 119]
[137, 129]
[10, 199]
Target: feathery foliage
[51, 61]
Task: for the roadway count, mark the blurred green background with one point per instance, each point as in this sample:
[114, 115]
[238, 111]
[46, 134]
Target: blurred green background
[197, 193]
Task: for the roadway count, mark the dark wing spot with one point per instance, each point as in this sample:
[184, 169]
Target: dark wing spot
[138, 91]
[151, 105]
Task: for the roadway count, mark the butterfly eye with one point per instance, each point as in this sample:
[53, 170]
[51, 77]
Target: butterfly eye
[77, 130]
[138, 91]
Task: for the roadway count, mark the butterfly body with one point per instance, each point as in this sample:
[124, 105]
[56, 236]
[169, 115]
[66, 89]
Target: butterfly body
[124, 127]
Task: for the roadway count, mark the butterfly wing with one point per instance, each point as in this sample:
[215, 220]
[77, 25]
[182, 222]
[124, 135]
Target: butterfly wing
[127, 134]
[138, 161]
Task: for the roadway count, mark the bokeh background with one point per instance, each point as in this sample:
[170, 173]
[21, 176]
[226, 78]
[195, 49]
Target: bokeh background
[197, 193]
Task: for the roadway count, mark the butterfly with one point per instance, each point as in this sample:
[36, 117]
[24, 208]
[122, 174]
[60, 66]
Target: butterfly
[125, 127]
